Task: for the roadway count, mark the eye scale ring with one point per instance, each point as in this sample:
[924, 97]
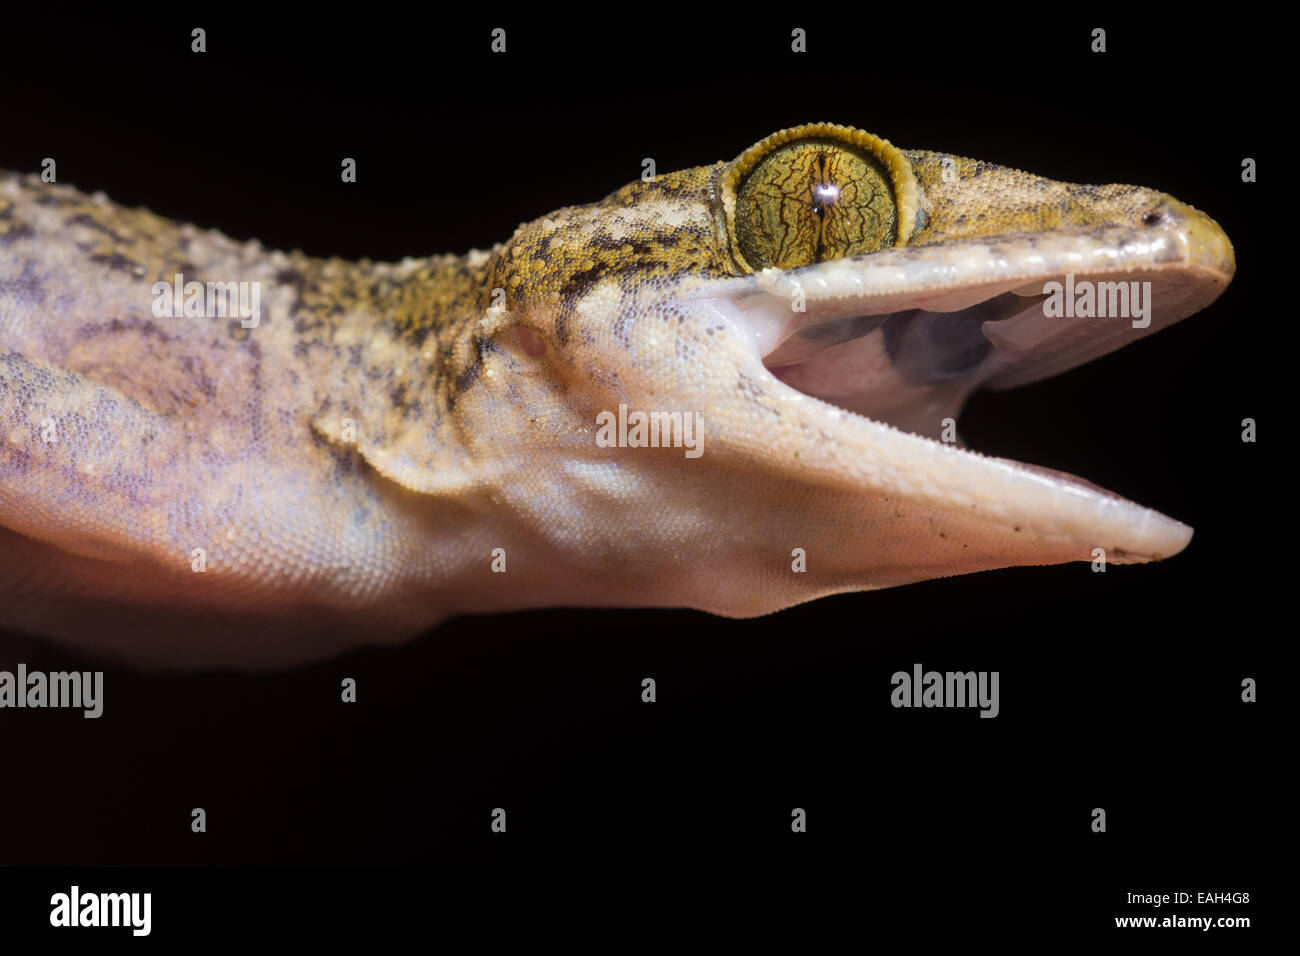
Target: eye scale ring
[814, 193]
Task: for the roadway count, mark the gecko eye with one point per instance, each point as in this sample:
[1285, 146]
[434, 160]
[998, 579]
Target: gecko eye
[814, 200]
[817, 193]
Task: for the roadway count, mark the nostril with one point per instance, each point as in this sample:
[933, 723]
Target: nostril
[532, 342]
[1154, 218]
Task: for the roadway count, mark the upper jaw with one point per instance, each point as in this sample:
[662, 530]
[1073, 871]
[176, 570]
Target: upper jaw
[792, 314]
[860, 346]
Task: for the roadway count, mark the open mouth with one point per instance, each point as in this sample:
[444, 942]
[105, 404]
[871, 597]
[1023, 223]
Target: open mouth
[903, 337]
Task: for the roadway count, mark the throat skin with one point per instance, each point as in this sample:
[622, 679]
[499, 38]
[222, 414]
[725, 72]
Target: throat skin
[388, 444]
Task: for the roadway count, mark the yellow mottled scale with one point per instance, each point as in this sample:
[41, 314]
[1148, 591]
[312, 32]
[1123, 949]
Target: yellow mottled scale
[971, 199]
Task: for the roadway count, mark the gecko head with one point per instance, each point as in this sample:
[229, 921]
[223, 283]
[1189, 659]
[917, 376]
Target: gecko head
[758, 365]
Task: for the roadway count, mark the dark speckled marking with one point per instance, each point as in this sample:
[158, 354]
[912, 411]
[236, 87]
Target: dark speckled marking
[542, 252]
[90, 222]
[193, 367]
[468, 377]
[28, 282]
[303, 346]
[755, 393]
[146, 327]
[116, 260]
[20, 231]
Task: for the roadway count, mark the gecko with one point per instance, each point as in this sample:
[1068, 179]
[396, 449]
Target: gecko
[730, 388]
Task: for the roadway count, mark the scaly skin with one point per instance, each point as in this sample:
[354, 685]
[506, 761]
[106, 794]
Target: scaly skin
[350, 464]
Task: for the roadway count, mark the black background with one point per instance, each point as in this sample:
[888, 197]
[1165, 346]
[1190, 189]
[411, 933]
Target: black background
[1119, 690]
